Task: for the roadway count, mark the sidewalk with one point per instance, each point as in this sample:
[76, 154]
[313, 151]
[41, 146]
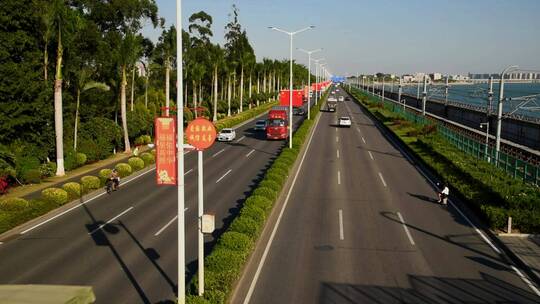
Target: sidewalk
[33, 191]
[526, 248]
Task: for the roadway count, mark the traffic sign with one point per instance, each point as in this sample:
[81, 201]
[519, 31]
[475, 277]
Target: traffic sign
[201, 133]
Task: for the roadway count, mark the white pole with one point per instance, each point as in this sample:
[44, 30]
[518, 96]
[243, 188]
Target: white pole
[290, 95]
[382, 90]
[490, 98]
[200, 214]
[399, 93]
[418, 90]
[180, 159]
[499, 114]
[316, 79]
[309, 87]
[446, 92]
[424, 96]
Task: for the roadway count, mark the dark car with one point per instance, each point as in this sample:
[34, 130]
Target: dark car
[298, 112]
[347, 98]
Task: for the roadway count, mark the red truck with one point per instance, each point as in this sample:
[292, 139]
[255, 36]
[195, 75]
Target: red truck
[277, 126]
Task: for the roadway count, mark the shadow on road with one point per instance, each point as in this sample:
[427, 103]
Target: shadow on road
[424, 198]
[428, 290]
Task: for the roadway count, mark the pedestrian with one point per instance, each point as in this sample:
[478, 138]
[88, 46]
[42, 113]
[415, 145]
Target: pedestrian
[443, 195]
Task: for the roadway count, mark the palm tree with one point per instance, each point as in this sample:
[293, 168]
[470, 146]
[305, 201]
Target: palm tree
[166, 49]
[216, 57]
[84, 84]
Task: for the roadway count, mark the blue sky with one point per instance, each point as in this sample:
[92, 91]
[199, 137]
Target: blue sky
[391, 36]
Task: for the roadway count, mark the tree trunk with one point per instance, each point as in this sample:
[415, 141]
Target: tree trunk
[46, 61]
[229, 96]
[258, 84]
[76, 120]
[167, 89]
[194, 98]
[201, 99]
[123, 110]
[264, 82]
[234, 85]
[250, 86]
[146, 92]
[58, 118]
[132, 88]
[215, 93]
[242, 89]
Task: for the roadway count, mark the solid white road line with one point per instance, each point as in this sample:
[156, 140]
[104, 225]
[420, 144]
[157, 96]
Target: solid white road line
[273, 234]
[363, 139]
[406, 228]
[526, 280]
[382, 179]
[339, 178]
[219, 152]
[223, 176]
[370, 155]
[78, 205]
[240, 139]
[250, 152]
[337, 152]
[341, 236]
[168, 224]
[188, 172]
[109, 221]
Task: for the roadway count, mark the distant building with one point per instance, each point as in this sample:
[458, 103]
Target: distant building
[407, 78]
[459, 77]
[435, 76]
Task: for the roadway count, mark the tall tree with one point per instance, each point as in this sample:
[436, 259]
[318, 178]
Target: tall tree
[165, 52]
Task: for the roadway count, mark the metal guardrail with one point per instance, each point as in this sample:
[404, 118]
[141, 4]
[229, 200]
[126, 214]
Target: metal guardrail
[524, 164]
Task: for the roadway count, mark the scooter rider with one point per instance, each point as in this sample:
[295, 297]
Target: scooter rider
[115, 178]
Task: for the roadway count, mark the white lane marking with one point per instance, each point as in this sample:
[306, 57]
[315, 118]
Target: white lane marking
[219, 152]
[478, 231]
[339, 177]
[337, 152]
[337, 138]
[526, 280]
[363, 139]
[109, 221]
[370, 155]
[188, 172]
[168, 224]
[223, 176]
[78, 205]
[382, 179]
[341, 236]
[273, 234]
[240, 139]
[406, 228]
[250, 152]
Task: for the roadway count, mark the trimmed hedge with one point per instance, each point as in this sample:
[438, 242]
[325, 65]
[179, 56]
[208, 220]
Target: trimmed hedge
[136, 163]
[148, 158]
[55, 196]
[123, 169]
[73, 190]
[224, 264]
[81, 159]
[104, 175]
[89, 183]
[13, 204]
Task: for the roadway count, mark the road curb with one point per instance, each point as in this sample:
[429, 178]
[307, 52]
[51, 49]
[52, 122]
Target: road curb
[507, 254]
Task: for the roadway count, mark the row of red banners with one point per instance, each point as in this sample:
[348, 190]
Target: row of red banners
[299, 96]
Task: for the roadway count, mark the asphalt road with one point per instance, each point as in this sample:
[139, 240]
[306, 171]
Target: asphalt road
[124, 245]
[362, 226]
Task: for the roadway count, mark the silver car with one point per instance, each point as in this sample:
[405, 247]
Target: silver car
[226, 134]
[260, 125]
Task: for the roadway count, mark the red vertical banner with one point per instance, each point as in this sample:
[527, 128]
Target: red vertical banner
[166, 168]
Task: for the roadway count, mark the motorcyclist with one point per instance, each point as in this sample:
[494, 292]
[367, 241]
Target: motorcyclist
[115, 179]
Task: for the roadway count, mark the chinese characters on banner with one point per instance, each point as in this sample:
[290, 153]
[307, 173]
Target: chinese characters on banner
[201, 133]
[166, 168]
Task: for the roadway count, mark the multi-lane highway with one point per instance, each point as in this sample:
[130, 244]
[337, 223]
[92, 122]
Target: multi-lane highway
[124, 245]
[361, 225]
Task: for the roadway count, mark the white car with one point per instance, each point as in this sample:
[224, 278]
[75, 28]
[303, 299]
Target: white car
[226, 134]
[341, 98]
[345, 121]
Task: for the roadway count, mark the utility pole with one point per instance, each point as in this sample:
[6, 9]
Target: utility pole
[424, 96]
[382, 90]
[446, 92]
[490, 98]
[418, 89]
[399, 93]
[500, 112]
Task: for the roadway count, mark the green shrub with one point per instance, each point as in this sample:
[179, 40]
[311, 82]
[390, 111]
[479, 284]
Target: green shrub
[48, 169]
[254, 212]
[73, 190]
[266, 192]
[215, 297]
[268, 183]
[136, 163]
[235, 241]
[143, 140]
[191, 299]
[13, 204]
[153, 152]
[281, 165]
[246, 226]
[224, 260]
[98, 138]
[148, 158]
[54, 196]
[123, 169]
[276, 175]
[81, 159]
[104, 176]
[32, 176]
[90, 183]
[260, 202]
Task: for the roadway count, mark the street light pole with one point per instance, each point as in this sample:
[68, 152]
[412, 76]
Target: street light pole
[382, 90]
[180, 159]
[399, 93]
[309, 78]
[291, 35]
[500, 112]
[424, 96]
